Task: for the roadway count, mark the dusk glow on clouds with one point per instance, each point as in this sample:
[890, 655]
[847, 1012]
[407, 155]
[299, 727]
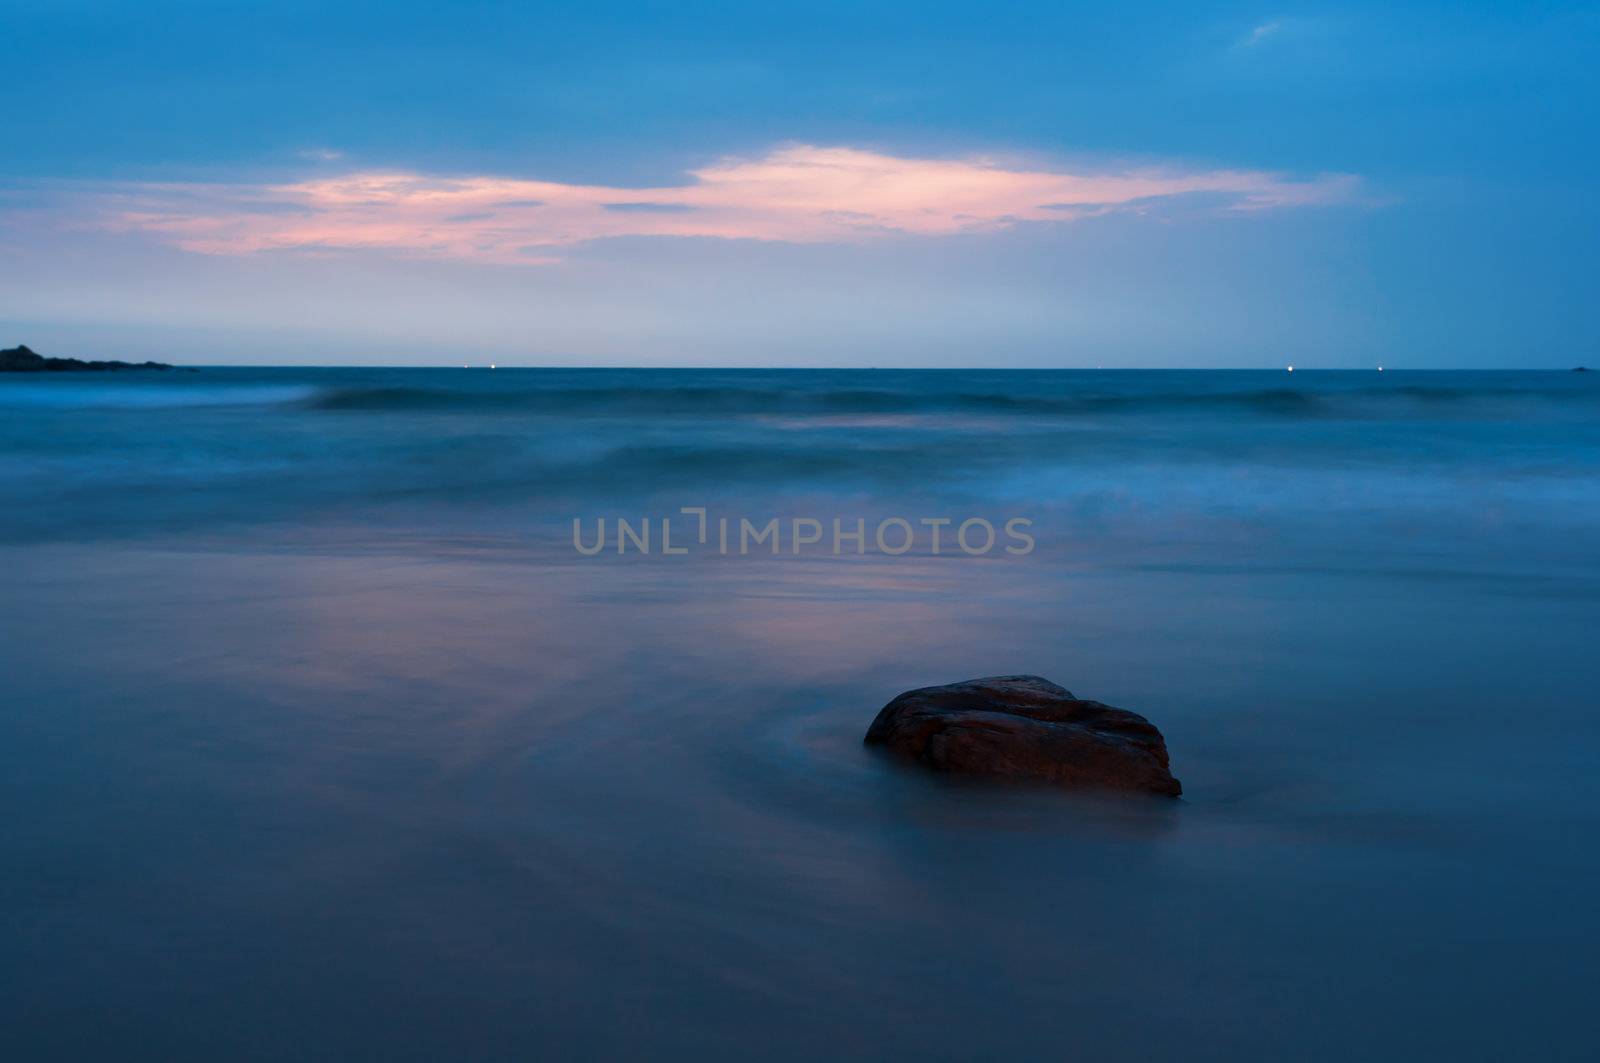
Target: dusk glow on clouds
[1016, 184]
[795, 194]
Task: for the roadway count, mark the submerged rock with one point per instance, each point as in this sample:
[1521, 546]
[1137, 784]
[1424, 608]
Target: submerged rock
[23, 360]
[1025, 727]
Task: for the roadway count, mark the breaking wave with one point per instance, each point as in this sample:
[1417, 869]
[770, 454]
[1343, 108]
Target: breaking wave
[697, 400]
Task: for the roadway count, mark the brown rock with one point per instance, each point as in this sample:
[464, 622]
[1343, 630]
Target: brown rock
[1025, 727]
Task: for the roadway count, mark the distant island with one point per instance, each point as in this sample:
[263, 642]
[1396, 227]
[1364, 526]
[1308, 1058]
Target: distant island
[24, 360]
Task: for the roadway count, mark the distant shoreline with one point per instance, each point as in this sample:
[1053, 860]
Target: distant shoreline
[22, 359]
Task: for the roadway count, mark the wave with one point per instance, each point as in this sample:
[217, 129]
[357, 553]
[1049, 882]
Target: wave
[1369, 402]
[1027, 396]
[28, 395]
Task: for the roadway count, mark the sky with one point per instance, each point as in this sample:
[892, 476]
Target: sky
[832, 184]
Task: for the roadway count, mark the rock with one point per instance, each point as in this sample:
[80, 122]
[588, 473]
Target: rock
[1025, 727]
[23, 360]
[1581, 369]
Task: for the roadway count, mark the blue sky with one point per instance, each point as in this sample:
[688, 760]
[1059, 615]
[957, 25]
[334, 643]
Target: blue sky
[835, 184]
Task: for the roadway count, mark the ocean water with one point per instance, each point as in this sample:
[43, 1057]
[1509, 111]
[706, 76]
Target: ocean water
[320, 739]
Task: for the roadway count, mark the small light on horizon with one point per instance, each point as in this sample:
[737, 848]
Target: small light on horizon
[1291, 369]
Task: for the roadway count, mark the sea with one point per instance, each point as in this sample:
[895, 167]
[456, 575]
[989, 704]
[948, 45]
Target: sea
[517, 714]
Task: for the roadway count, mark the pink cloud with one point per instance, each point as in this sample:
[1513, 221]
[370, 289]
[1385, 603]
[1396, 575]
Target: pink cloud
[796, 194]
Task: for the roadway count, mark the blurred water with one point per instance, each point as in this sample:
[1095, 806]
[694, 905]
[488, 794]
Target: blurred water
[317, 737]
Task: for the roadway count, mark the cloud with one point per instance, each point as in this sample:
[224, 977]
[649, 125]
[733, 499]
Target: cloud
[796, 194]
[1260, 33]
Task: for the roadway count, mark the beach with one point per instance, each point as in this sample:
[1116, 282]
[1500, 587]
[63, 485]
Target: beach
[322, 739]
